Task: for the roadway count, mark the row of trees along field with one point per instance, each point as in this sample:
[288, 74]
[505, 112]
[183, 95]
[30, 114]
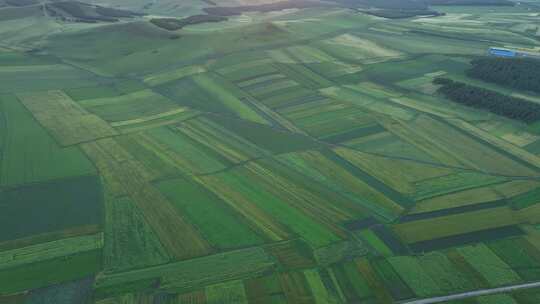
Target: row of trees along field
[518, 73]
[500, 104]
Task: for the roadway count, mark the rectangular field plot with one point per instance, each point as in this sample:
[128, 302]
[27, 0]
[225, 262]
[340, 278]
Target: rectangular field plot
[438, 139]
[114, 89]
[131, 106]
[434, 105]
[337, 177]
[209, 132]
[218, 223]
[488, 223]
[269, 139]
[508, 192]
[154, 121]
[453, 182]
[125, 176]
[526, 199]
[352, 283]
[325, 117]
[386, 144]
[423, 84]
[348, 135]
[295, 287]
[29, 153]
[24, 78]
[524, 158]
[68, 122]
[275, 210]
[168, 76]
[337, 71]
[512, 133]
[166, 152]
[414, 276]
[50, 207]
[263, 90]
[187, 154]
[259, 80]
[294, 254]
[228, 292]
[391, 280]
[401, 175]
[307, 54]
[50, 272]
[289, 97]
[353, 48]
[368, 98]
[413, 68]
[50, 250]
[248, 70]
[192, 274]
[302, 74]
[491, 267]
[130, 242]
[211, 92]
[265, 289]
[525, 260]
[445, 274]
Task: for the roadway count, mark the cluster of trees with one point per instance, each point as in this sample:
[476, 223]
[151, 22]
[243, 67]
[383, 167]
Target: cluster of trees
[517, 73]
[173, 24]
[511, 107]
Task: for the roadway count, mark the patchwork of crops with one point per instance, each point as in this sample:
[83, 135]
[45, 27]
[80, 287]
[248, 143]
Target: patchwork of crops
[298, 156]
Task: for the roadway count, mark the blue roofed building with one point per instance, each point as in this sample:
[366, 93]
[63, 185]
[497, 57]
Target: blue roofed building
[502, 52]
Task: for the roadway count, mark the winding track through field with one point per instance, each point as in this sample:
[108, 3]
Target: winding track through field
[476, 293]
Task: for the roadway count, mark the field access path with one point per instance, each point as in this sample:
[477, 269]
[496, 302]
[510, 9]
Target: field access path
[475, 293]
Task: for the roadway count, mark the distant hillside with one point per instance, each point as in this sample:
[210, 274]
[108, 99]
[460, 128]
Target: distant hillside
[83, 12]
[385, 8]
[18, 2]
[472, 2]
[392, 9]
[173, 24]
[277, 6]
[385, 4]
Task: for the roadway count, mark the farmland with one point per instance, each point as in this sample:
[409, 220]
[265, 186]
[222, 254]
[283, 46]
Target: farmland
[234, 151]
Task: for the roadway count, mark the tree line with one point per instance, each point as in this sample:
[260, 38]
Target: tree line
[517, 73]
[494, 102]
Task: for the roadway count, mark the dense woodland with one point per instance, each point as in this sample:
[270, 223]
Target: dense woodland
[480, 98]
[517, 73]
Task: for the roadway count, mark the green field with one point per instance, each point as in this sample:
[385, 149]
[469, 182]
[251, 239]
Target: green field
[295, 152]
